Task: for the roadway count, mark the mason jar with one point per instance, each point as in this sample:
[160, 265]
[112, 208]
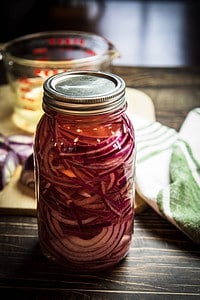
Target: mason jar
[84, 152]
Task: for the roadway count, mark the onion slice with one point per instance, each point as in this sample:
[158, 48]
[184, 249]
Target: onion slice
[22, 145]
[16, 149]
[8, 164]
[27, 173]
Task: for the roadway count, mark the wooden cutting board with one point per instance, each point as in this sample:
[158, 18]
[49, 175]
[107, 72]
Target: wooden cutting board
[18, 199]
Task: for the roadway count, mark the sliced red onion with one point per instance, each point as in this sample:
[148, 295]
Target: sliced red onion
[22, 145]
[14, 150]
[27, 173]
[8, 164]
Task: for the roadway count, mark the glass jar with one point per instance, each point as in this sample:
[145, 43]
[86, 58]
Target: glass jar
[84, 155]
[29, 60]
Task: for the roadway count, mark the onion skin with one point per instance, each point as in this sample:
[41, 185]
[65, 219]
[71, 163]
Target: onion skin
[85, 190]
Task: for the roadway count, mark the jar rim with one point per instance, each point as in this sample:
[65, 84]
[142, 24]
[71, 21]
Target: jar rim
[103, 47]
[84, 92]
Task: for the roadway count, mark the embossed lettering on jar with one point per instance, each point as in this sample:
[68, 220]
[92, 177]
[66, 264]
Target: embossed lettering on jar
[85, 159]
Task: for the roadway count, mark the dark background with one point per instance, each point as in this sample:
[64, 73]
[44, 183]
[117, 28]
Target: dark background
[146, 33]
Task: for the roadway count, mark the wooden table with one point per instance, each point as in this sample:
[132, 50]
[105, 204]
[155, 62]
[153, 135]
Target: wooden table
[162, 262]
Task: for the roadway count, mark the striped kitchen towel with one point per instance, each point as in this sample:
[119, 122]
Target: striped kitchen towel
[168, 171]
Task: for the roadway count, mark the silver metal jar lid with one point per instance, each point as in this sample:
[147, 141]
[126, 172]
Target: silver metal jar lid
[84, 92]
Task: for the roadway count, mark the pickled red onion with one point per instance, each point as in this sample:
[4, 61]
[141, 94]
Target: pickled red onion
[85, 195]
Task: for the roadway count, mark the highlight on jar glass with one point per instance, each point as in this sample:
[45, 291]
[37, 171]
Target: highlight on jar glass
[29, 60]
[84, 153]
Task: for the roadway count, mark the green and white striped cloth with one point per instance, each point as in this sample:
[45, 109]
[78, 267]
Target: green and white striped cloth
[168, 171]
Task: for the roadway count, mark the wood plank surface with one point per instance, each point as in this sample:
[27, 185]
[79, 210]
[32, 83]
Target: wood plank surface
[174, 91]
[162, 263]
